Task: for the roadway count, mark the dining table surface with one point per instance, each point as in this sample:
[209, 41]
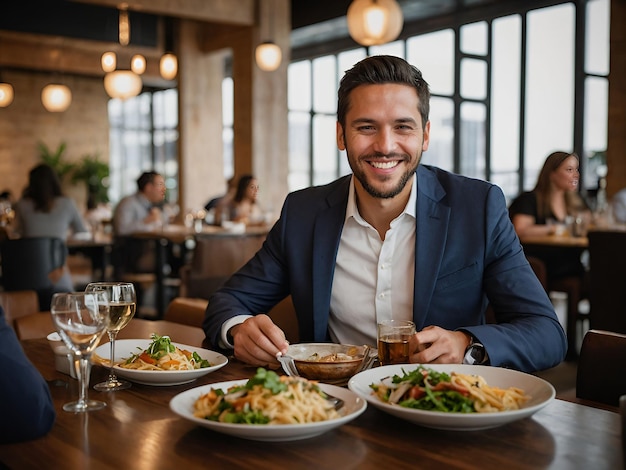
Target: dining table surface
[137, 430]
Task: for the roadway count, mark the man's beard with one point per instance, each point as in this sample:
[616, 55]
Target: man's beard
[393, 192]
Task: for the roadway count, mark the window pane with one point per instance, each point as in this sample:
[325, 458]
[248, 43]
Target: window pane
[228, 101]
[299, 85]
[324, 149]
[346, 60]
[597, 37]
[550, 86]
[596, 117]
[433, 54]
[391, 48]
[324, 84]
[440, 151]
[505, 103]
[474, 38]
[299, 144]
[472, 139]
[474, 79]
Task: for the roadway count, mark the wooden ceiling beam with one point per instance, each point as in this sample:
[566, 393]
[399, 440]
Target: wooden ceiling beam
[239, 12]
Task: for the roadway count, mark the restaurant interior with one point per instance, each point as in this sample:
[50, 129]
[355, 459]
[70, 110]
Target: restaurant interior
[222, 112]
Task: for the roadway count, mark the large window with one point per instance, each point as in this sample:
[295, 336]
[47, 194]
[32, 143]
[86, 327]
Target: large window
[143, 137]
[506, 92]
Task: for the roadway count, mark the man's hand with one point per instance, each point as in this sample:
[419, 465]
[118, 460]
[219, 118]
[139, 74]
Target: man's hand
[438, 346]
[257, 341]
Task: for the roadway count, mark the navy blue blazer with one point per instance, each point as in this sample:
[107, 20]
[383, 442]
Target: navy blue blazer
[467, 255]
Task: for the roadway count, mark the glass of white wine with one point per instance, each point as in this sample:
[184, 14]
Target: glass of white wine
[81, 319]
[122, 305]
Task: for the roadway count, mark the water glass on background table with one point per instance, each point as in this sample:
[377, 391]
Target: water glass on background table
[81, 318]
[122, 306]
[393, 341]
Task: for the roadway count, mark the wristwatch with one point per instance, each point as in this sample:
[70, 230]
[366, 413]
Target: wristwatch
[475, 353]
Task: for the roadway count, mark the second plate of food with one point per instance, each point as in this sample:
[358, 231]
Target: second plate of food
[125, 348]
[538, 394]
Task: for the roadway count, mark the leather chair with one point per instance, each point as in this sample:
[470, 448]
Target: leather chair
[599, 377]
[22, 313]
[186, 310]
[33, 264]
[607, 280]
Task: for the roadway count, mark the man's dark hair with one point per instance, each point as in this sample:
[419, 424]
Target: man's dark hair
[145, 178]
[378, 70]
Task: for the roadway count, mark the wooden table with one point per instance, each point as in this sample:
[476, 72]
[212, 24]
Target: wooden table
[98, 250]
[138, 431]
[562, 241]
[179, 234]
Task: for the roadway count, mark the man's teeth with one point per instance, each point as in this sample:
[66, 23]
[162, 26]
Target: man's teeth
[384, 165]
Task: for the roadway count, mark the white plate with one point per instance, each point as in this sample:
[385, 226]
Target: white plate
[540, 391]
[182, 405]
[124, 348]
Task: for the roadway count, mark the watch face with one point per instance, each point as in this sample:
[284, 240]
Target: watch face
[475, 354]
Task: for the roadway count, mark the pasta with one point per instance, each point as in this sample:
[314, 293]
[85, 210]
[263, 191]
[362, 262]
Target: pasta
[427, 389]
[161, 354]
[267, 399]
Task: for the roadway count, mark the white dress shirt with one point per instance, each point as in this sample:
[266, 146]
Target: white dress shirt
[373, 278]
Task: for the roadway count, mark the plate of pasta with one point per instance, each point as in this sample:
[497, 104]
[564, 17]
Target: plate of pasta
[453, 396]
[159, 361]
[268, 407]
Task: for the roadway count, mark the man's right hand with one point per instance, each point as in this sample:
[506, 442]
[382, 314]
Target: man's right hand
[257, 341]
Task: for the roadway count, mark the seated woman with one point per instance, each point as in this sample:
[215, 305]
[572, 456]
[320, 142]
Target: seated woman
[555, 197]
[244, 206]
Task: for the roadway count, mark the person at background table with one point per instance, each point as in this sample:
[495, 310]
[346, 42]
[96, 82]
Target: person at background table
[555, 197]
[43, 211]
[25, 403]
[218, 204]
[393, 240]
[244, 206]
[138, 212]
[618, 206]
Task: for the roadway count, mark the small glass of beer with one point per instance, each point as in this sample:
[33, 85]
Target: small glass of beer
[393, 341]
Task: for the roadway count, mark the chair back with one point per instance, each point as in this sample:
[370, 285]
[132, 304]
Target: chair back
[31, 263]
[185, 310]
[18, 304]
[607, 280]
[599, 377]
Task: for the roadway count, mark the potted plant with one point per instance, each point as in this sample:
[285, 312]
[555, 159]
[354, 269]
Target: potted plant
[95, 174]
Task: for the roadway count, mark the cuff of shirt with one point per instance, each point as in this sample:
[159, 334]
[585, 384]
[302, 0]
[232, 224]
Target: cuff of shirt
[227, 325]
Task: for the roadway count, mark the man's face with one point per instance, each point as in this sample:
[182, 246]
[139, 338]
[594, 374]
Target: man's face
[383, 138]
[155, 191]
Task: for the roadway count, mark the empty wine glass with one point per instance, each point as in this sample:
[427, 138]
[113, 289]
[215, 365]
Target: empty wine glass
[122, 305]
[81, 319]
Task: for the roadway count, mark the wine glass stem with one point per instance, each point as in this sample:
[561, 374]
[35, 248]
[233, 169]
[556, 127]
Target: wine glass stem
[83, 372]
[112, 337]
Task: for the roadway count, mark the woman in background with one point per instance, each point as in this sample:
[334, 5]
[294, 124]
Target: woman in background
[43, 211]
[244, 207]
[555, 197]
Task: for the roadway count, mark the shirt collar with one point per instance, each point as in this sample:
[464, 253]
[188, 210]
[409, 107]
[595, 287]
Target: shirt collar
[353, 212]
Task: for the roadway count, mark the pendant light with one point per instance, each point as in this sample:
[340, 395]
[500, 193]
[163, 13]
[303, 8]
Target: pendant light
[374, 22]
[267, 54]
[122, 84]
[56, 98]
[168, 65]
[108, 61]
[6, 94]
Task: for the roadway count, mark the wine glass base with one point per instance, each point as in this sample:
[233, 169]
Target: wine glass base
[112, 385]
[88, 405]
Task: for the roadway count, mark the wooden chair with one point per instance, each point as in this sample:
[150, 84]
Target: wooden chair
[599, 376]
[19, 303]
[607, 276]
[186, 310]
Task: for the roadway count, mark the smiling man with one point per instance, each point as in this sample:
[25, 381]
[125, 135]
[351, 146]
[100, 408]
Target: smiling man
[394, 240]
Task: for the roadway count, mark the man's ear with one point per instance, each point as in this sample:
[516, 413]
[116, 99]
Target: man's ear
[341, 143]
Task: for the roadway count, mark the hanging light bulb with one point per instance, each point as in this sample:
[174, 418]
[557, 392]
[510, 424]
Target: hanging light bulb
[56, 98]
[138, 64]
[6, 95]
[168, 66]
[122, 84]
[268, 56]
[108, 61]
[373, 22]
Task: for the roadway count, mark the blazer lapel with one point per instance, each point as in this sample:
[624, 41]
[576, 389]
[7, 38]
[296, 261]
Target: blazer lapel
[432, 217]
[326, 236]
